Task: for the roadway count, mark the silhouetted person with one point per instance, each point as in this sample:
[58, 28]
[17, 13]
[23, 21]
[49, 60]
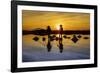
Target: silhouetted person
[60, 33]
[49, 38]
[48, 30]
[61, 29]
[60, 39]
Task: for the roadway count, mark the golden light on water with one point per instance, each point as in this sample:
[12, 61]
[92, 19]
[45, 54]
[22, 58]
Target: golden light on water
[41, 19]
[57, 35]
[37, 45]
[27, 40]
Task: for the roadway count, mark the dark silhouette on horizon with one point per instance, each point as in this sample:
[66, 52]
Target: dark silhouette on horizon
[48, 32]
[43, 32]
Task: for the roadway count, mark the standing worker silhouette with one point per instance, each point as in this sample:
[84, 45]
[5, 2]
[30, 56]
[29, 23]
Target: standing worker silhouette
[49, 44]
[60, 39]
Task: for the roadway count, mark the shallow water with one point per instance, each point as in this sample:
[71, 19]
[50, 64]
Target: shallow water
[37, 50]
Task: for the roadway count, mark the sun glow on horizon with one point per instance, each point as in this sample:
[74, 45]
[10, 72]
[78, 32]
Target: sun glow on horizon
[41, 19]
[58, 27]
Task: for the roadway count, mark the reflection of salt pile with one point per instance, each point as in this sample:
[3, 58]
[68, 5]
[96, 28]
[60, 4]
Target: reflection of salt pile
[47, 42]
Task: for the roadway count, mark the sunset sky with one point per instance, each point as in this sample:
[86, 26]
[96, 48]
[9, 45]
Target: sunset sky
[35, 51]
[41, 19]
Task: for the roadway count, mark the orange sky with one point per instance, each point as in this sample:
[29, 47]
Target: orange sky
[41, 19]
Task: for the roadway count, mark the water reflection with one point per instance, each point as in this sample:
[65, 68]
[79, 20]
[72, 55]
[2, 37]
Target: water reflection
[49, 50]
[51, 37]
[59, 39]
[70, 46]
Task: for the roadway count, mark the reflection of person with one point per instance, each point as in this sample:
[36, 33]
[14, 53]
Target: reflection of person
[60, 32]
[60, 47]
[49, 44]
